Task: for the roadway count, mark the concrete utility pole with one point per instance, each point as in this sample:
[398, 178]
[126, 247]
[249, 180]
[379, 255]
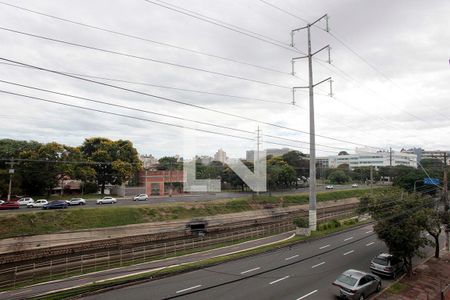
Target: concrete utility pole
[258, 143]
[446, 204]
[11, 173]
[371, 179]
[312, 134]
[390, 164]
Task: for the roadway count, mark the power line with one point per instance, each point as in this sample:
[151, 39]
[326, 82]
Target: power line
[144, 39]
[222, 24]
[168, 87]
[177, 101]
[155, 113]
[144, 58]
[141, 119]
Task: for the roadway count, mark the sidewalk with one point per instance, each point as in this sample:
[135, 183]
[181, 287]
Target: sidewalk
[426, 284]
[89, 278]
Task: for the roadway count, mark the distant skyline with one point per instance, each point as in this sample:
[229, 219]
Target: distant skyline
[391, 75]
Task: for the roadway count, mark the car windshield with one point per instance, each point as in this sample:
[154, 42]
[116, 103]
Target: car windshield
[380, 261]
[347, 279]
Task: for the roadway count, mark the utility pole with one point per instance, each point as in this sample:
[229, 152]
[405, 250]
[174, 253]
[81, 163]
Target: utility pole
[11, 173]
[258, 143]
[446, 204]
[312, 134]
[390, 164]
[371, 179]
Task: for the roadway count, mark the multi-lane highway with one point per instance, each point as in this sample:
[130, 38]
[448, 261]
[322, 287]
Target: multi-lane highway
[304, 271]
[128, 201]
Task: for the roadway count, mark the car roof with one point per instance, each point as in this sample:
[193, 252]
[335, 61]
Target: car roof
[355, 274]
[384, 255]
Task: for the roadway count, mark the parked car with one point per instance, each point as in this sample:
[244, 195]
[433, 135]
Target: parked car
[77, 201]
[387, 264]
[25, 201]
[355, 185]
[10, 205]
[106, 200]
[354, 284]
[37, 203]
[1, 201]
[56, 204]
[141, 197]
[329, 187]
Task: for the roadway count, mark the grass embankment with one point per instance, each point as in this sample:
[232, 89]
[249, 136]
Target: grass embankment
[33, 223]
[323, 230]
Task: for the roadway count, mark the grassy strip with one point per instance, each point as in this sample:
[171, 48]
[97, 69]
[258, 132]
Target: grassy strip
[34, 223]
[397, 288]
[133, 279]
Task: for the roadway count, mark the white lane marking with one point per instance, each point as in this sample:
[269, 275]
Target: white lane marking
[323, 247]
[251, 270]
[315, 266]
[351, 251]
[294, 256]
[278, 280]
[370, 231]
[348, 239]
[427, 234]
[309, 294]
[371, 243]
[21, 292]
[191, 288]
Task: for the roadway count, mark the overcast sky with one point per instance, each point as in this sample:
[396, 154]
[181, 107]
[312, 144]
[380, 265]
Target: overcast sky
[391, 76]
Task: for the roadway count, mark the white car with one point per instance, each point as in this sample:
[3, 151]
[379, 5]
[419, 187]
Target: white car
[37, 203]
[77, 201]
[107, 200]
[1, 202]
[355, 185]
[25, 201]
[329, 187]
[140, 197]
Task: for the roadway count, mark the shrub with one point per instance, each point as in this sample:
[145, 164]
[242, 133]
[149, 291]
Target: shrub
[301, 222]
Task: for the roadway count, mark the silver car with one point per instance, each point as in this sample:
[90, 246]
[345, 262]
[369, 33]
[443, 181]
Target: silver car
[107, 200]
[141, 197]
[77, 201]
[354, 284]
[386, 264]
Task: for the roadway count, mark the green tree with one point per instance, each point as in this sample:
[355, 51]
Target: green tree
[432, 220]
[169, 163]
[398, 222]
[298, 161]
[338, 177]
[279, 173]
[115, 161]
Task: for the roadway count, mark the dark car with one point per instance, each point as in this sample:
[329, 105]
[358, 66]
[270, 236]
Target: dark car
[57, 204]
[10, 205]
[387, 264]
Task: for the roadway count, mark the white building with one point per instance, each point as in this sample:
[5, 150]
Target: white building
[364, 158]
[220, 156]
[148, 161]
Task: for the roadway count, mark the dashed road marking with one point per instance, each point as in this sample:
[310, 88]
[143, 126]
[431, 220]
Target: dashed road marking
[278, 280]
[370, 231]
[190, 288]
[309, 294]
[351, 251]
[251, 270]
[348, 239]
[326, 246]
[315, 266]
[371, 243]
[291, 257]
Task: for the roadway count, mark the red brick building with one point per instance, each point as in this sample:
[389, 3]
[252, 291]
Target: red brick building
[160, 182]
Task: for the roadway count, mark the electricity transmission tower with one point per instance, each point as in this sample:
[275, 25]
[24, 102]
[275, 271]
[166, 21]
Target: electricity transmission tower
[312, 134]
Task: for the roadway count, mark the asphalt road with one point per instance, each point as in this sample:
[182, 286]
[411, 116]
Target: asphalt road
[128, 201]
[305, 271]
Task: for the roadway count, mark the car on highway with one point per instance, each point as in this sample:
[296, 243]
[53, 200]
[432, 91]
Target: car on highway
[355, 185]
[37, 203]
[107, 200]
[354, 284]
[56, 204]
[388, 265]
[329, 187]
[77, 201]
[140, 197]
[25, 201]
[9, 205]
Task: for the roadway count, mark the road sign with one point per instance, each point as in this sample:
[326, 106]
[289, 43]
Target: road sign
[431, 181]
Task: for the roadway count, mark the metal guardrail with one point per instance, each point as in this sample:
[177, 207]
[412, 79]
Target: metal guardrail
[22, 275]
